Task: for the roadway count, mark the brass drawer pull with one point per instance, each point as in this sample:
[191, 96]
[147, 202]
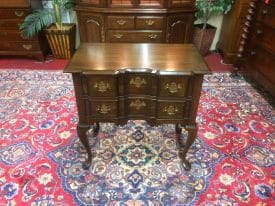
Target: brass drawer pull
[152, 36]
[149, 22]
[138, 82]
[102, 86]
[173, 87]
[103, 109]
[19, 13]
[118, 36]
[137, 104]
[171, 110]
[27, 46]
[121, 22]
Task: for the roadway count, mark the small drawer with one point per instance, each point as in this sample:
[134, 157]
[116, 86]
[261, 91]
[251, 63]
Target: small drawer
[10, 24]
[170, 110]
[121, 22]
[145, 22]
[101, 86]
[135, 36]
[264, 36]
[173, 86]
[14, 13]
[261, 60]
[138, 84]
[103, 108]
[19, 46]
[12, 35]
[138, 107]
[266, 15]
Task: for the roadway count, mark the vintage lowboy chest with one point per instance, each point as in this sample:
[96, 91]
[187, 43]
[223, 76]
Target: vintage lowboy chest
[159, 83]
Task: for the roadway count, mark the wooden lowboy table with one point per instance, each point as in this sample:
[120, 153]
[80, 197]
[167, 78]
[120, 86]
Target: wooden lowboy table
[159, 83]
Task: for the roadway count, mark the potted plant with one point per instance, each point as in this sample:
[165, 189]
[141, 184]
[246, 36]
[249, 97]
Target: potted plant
[60, 35]
[204, 33]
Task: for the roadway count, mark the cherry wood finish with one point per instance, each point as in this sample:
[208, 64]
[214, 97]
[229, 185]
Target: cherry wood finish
[12, 14]
[136, 21]
[257, 46]
[159, 83]
[231, 31]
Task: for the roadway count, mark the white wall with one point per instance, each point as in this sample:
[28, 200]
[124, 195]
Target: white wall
[217, 22]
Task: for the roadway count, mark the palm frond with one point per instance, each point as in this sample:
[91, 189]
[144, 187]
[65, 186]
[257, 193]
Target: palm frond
[35, 22]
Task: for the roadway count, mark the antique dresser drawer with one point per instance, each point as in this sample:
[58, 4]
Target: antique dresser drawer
[135, 36]
[121, 22]
[138, 84]
[11, 24]
[101, 86]
[266, 14]
[261, 60]
[140, 107]
[173, 86]
[13, 13]
[19, 46]
[264, 36]
[149, 23]
[103, 108]
[170, 109]
[12, 35]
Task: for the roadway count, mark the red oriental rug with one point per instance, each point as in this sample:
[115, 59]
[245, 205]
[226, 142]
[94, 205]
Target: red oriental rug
[40, 154]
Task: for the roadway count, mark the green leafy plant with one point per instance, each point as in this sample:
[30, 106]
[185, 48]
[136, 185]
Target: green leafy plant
[42, 18]
[207, 8]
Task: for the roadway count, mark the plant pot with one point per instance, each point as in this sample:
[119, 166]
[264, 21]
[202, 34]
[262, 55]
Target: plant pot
[62, 42]
[203, 38]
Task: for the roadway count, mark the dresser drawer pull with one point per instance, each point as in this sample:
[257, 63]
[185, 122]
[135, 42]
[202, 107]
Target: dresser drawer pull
[103, 109]
[173, 87]
[152, 36]
[252, 53]
[19, 13]
[102, 86]
[149, 22]
[258, 31]
[171, 110]
[138, 82]
[118, 36]
[27, 46]
[264, 12]
[137, 104]
[121, 22]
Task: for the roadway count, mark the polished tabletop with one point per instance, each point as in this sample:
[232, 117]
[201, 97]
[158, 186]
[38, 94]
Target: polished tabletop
[112, 57]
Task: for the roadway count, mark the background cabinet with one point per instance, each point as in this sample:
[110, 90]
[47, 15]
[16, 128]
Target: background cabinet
[257, 45]
[12, 14]
[231, 31]
[134, 21]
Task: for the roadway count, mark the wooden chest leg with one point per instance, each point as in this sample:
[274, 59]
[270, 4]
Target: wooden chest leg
[192, 134]
[82, 130]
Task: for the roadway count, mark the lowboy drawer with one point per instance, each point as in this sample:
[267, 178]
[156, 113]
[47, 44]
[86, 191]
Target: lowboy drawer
[135, 36]
[101, 86]
[103, 108]
[136, 84]
[145, 22]
[121, 22]
[170, 110]
[173, 86]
